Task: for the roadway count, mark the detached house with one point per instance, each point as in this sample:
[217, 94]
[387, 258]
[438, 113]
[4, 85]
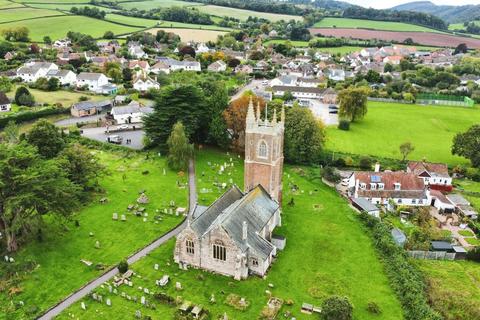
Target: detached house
[434, 175]
[382, 187]
[131, 113]
[96, 82]
[4, 103]
[32, 71]
[217, 66]
[88, 108]
[145, 83]
[160, 67]
[65, 77]
[139, 65]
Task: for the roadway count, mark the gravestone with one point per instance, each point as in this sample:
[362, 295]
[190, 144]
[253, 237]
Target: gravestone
[155, 266]
[123, 217]
[178, 286]
[138, 314]
[115, 216]
[97, 244]
[143, 199]
[91, 234]
[142, 300]
[144, 219]
[146, 290]
[94, 296]
[108, 302]
[110, 289]
[84, 307]
[115, 291]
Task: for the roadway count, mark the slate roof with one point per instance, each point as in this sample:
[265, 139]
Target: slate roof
[58, 73]
[87, 105]
[128, 109]
[230, 211]
[4, 99]
[298, 89]
[89, 76]
[412, 187]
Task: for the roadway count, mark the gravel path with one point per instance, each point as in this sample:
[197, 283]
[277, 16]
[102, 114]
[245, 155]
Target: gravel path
[85, 290]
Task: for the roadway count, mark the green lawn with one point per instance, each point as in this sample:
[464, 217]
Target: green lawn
[460, 26]
[341, 50]
[301, 44]
[64, 97]
[43, 27]
[328, 252]
[466, 233]
[244, 14]
[66, 6]
[387, 125]
[173, 24]
[369, 24]
[25, 13]
[453, 288]
[4, 4]
[146, 5]
[59, 269]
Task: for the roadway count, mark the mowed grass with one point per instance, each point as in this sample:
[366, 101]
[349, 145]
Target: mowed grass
[191, 34]
[67, 6]
[244, 14]
[65, 98]
[369, 24]
[57, 27]
[328, 252]
[460, 26]
[387, 125]
[300, 44]
[4, 4]
[146, 5]
[25, 13]
[453, 288]
[60, 271]
[341, 50]
[138, 22]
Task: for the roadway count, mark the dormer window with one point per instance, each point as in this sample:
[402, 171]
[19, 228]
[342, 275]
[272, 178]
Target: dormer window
[373, 186]
[363, 186]
[398, 186]
[381, 186]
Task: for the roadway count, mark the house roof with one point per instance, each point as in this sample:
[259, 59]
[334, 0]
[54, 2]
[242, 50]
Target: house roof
[441, 245]
[256, 208]
[4, 99]
[86, 105]
[89, 76]
[411, 186]
[365, 205]
[58, 73]
[433, 169]
[458, 199]
[130, 109]
[298, 89]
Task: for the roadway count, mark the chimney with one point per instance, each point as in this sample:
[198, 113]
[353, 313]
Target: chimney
[377, 167]
[244, 230]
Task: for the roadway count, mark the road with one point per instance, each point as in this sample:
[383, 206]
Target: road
[85, 290]
[74, 120]
[98, 133]
[250, 86]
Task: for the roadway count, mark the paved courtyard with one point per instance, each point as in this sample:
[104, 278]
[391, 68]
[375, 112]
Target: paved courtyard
[136, 136]
[321, 111]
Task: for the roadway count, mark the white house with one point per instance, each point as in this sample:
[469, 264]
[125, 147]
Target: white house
[298, 92]
[285, 80]
[202, 48]
[434, 175]
[217, 66]
[441, 202]
[382, 187]
[4, 103]
[160, 67]
[174, 65]
[66, 77]
[131, 113]
[96, 82]
[145, 83]
[32, 71]
[136, 51]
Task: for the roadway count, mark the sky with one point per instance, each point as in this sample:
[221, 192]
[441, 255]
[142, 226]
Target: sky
[382, 4]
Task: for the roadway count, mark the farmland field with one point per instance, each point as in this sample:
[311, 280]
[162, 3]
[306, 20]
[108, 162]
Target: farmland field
[424, 38]
[65, 98]
[328, 252]
[25, 13]
[7, 4]
[387, 125]
[191, 34]
[43, 27]
[244, 14]
[369, 24]
[453, 288]
[58, 255]
[138, 22]
[460, 26]
[146, 5]
[66, 6]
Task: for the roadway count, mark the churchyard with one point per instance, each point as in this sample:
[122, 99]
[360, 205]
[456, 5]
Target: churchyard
[70, 253]
[387, 125]
[328, 252]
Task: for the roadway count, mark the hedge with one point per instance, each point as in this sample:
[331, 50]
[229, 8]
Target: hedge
[32, 115]
[405, 278]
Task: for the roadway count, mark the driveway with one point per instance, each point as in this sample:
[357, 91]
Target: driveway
[254, 84]
[136, 136]
[321, 111]
[74, 120]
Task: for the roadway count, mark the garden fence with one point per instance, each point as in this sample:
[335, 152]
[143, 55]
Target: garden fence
[431, 255]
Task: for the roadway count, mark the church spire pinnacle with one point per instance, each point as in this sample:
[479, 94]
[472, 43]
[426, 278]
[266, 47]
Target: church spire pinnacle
[258, 111]
[266, 114]
[250, 114]
[282, 116]
[274, 120]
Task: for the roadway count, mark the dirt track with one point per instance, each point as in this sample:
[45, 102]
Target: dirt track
[424, 38]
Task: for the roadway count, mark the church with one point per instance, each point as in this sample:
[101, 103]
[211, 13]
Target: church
[233, 236]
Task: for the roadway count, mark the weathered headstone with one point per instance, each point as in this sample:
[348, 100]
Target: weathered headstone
[142, 300]
[146, 290]
[94, 296]
[178, 286]
[123, 217]
[84, 307]
[108, 302]
[115, 216]
[97, 244]
[155, 266]
[138, 314]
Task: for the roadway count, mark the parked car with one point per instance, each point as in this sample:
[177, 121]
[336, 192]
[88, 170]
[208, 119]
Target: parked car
[116, 139]
[333, 111]
[123, 127]
[265, 82]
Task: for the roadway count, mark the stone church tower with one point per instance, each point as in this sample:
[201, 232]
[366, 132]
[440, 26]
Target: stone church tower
[264, 152]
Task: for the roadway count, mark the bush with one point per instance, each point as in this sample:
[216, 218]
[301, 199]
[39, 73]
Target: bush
[365, 163]
[31, 115]
[123, 266]
[474, 254]
[337, 308]
[329, 174]
[344, 125]
[373, 307]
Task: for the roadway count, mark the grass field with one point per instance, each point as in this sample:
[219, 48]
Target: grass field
[66, 6]
[244, 14]
[453, 288]
[139, 22]
[25, 13]
[300, 44]
[387, 125]
[146, 5]
[460, 26]
[66, 98]
[192, 34]
[60, 270]
[4, 4]
[341, 50]
[369, 24]
[328, 252]
[57, 27]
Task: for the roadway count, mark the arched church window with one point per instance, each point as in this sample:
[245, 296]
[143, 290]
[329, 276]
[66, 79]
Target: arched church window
[219, 251]
[262, 149]
[190, 245]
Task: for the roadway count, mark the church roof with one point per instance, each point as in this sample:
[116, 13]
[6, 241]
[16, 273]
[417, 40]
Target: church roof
[256, 208]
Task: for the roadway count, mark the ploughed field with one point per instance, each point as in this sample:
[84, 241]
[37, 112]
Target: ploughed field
[425, 38]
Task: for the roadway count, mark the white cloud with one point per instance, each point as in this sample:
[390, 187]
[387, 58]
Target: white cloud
[381, 4]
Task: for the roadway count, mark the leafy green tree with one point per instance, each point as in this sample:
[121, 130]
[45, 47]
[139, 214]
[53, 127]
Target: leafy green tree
[11, 132]
[108, 35]
[304, 136]
[373, 76]
[23, 97]
[185, 103]
[218, 134]
[179, 149]
[47, 138]
[337, 308]
[53, 84]
[388, 68]
[405, 149]
[29, 188]
[81, 166]
[353, 103]
[5, 84]
[47, 40]
[467, 144]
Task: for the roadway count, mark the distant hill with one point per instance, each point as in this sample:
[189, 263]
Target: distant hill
[451, 14]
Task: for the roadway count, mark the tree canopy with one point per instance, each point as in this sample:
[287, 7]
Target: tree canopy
[47, 138]
[179, 149]
[353, 103]
[467, 144]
